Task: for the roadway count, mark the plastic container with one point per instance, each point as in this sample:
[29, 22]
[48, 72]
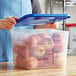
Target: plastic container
[35, 49]
[40, 48]
[72, 37]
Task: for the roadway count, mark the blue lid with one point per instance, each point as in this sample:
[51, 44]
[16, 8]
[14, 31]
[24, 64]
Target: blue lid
[40, 19]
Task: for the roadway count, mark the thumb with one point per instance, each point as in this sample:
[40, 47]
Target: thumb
[15, 18]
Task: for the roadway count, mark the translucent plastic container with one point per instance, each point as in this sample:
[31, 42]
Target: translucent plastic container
[72, 35]
[39, 48]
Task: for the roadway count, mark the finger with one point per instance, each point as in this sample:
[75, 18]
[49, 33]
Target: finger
[5, 28]
[12, 20]
[8, 27]
[10, 24]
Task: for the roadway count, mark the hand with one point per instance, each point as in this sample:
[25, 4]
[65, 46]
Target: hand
[8, 23]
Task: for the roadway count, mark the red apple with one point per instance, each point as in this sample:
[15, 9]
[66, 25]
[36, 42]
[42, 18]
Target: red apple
[48, 43]
[38, 38]
[42, 36]
[58, 49]
[32, 63]
[16, 48]
[58, 37]
[31, 41]
[24, 51]
[48, 58]
[20, 61]
[38, 51]
[41, 63]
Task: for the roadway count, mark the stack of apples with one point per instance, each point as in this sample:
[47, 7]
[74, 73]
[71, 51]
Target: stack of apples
[39, 51]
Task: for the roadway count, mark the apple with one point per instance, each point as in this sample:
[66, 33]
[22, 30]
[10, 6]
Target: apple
[31, 41]
[58, 49]
[38, 51]
[58, 37]
[49, 58]
[42, 36]
[24, 51]
[38, 38]
[41, 63]
[32, 63]
[48, 43]
[16, 49]
[20, 61]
